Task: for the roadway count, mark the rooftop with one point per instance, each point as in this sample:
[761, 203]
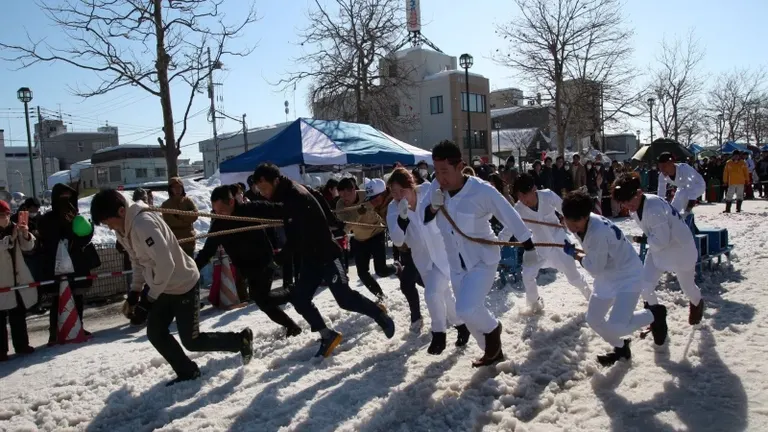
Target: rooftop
[128, 147]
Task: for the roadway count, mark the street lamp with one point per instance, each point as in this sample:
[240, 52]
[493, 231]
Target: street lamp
[720, 127]
[638, 138]
[25, 95]
[497, 126]
[466, 62]
[650, 115]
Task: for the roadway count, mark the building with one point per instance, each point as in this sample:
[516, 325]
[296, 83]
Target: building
[621, 146]
[18, 172]
[186, 168]
[126, 166]
[69, 147]
[234, 144]
[506, 98]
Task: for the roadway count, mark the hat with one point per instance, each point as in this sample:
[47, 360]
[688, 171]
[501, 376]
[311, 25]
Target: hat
[665, 157]
[374, 188]
[175, 181]
[4, 207]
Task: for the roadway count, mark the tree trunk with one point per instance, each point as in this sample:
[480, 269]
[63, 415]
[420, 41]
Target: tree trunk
[163, 59]
[560, 127]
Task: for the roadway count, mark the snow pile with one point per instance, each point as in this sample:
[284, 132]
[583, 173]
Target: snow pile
[706, 379]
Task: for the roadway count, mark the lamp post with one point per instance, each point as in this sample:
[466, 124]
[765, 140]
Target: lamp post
[720, 127]
[650, 115]
[466, 62]
[497, 126]
[638, 138]
[25, 95]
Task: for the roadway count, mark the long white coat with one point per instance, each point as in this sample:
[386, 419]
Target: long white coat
[472, 209]
[690, 185]
[549, 203]
[670, 240]
[425, 241]
[23, 275]
[610, 259]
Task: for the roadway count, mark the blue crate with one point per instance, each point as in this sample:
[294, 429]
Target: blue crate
[717, 239]
[510, 268]
[702, 245]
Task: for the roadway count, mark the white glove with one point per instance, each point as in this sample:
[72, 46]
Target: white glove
[437, 200]
[402, 207]
[531, 258]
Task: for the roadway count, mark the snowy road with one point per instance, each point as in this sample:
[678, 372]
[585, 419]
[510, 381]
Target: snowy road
[710, 379]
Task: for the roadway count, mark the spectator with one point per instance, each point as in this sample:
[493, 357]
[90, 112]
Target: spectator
[423, 169]
[578, 173]
[331, 192]
[500, 185]
[762, 173]
[31, 205]
[55, 233]
[735, 177]
[180, 225]
[653, 178]
[536, 174]
[468, 171]
[546, 174]
[14, 241]
[561, 177]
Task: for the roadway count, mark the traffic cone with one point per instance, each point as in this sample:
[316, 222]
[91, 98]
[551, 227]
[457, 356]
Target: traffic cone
[70, 328]
[228, 298]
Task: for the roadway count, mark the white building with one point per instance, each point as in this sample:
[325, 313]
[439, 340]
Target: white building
[126, 166]
[234, 144]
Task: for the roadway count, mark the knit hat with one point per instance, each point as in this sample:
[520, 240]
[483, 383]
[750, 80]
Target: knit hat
[4, 207]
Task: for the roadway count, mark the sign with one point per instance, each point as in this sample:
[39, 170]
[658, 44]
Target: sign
[413, 14]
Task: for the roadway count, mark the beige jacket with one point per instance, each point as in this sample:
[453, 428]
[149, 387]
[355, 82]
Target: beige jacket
[369, 217]
[16, 245]
[156, 255]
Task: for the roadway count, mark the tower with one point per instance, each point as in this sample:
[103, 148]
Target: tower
[415, 38]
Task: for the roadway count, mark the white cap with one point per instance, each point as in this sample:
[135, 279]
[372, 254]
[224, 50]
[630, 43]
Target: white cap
[374, 188]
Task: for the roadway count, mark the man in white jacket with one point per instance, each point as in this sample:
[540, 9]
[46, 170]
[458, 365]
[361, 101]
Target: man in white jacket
[545, 206]
[426, 254]
[470, 203]
[172, 276]
[671, 246]
[690, 184]
[612, 261]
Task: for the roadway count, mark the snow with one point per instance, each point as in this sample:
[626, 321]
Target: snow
[70, 175]
[710, 378]
[126, 147]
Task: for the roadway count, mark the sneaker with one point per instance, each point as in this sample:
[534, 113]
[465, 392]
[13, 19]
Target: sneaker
[437, 346]
[695, 313]
[246, 345]
[327, 345]
[292, 331]
[386, 323]
[463, 337]
[659, 324]
[610, 358]
[195, 375]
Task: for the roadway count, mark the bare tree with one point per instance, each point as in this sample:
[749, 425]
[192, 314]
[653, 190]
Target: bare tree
[353, 73]
[675, 86]
[147, 44]
[756, 119]
[731, 96]
[579, 52]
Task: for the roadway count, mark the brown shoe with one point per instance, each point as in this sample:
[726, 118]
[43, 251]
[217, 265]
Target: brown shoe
[695, 313]
[493, 353]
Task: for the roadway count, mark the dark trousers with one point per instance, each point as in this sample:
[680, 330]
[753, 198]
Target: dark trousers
[312, 274]
[374, 247]
[408, 279]
[260, 292]
[53, 330]
[17, 318]
[291, 266]
[186, 309]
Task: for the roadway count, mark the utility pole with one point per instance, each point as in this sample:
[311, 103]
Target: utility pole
[213, 108]
[42, 151]
[245, 135]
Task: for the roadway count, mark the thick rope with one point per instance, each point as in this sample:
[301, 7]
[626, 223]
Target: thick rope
[495, 242]
[549, 224]
[226, 232]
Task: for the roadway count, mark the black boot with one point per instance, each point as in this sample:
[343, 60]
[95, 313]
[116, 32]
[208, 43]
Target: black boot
[246, 345]
[292, 331]
[463, 337]
[738, 206]
[438, 343]
[659, 324]
[727, 207]
[610, 358]
[191, 377]
[493, 353]
[695, 312]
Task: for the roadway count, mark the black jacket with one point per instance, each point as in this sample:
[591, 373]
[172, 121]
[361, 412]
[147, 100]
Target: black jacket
[561, 179]
[547, 181]
[250, 250]
[307, 228]
[52, 228]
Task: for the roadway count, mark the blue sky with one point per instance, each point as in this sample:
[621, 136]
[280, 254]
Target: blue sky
[731, 32]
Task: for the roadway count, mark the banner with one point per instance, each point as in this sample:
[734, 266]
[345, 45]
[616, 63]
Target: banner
[413, 12]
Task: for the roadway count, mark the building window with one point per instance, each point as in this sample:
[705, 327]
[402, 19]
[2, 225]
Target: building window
[102, 176]
[479, 139]
[436, 105]
[115, 174]
[159, 172]
[79, 146]
[476, 102]
[141, 173]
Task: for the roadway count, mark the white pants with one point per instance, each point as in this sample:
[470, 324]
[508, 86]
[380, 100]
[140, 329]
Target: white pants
[440, 302]
[737, 190]
[559, 260]
[472, 287]
[622, 321]
[685, 276]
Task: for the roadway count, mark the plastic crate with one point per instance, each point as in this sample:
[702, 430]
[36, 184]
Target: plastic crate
[718, 239]
[702, 245]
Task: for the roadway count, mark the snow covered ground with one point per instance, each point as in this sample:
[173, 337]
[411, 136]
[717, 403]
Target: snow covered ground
[708, 379]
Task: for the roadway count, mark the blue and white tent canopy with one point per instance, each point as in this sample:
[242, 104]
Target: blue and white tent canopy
[730, 146]
[321, 142]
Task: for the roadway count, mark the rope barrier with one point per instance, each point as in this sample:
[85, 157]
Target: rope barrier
[75, 279]
[494, 242]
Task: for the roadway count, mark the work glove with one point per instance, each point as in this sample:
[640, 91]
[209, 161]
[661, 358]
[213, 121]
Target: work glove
[640, 239]
[569, 249]
[141, 311]
[402, 207]
[437, 199]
